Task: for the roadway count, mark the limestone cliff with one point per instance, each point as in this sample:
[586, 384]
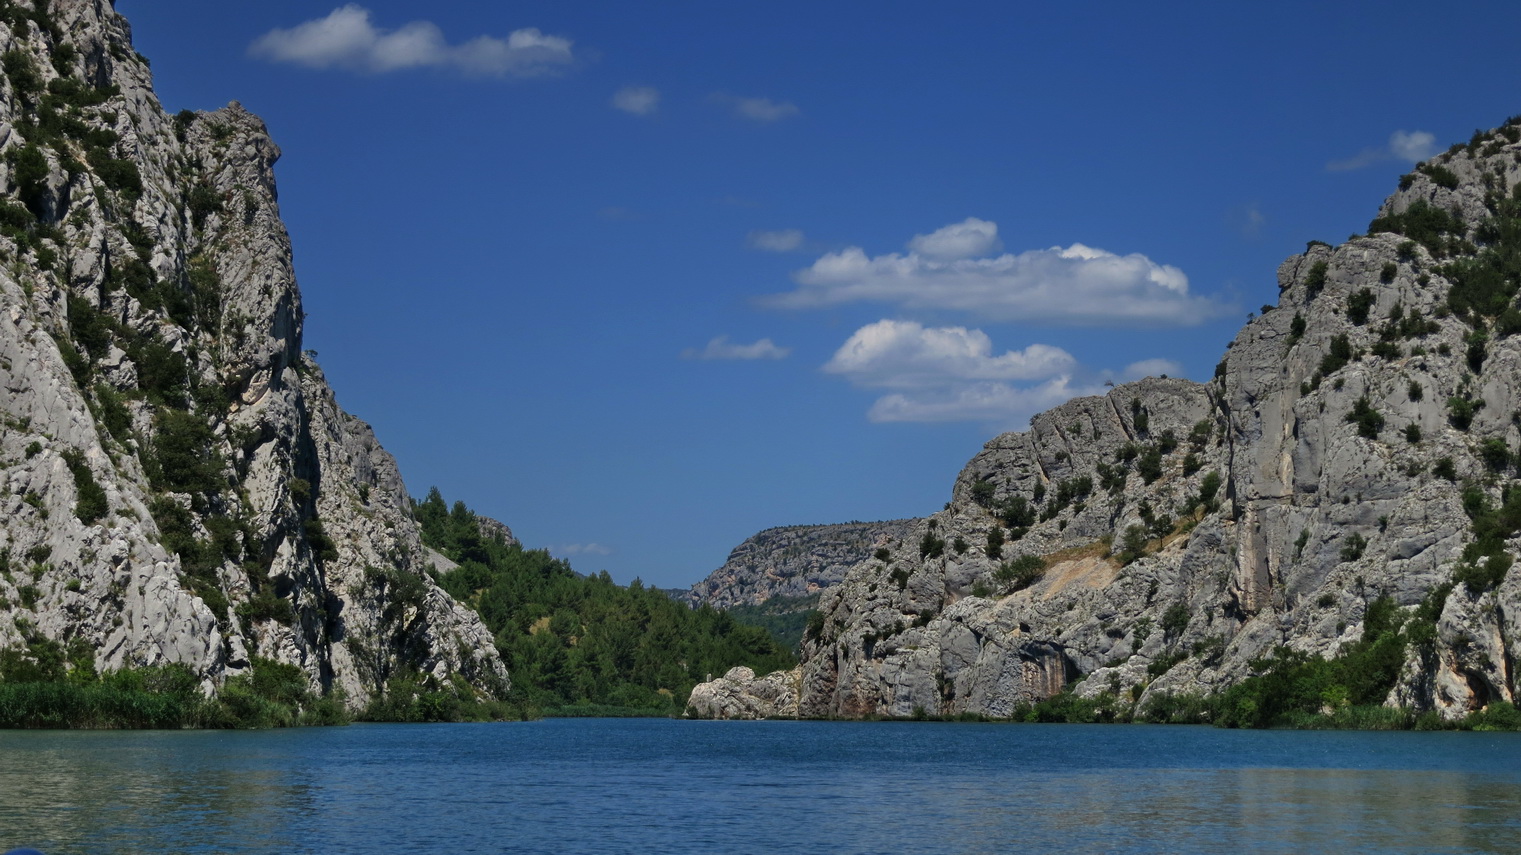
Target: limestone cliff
[1357, 441]
[179, 483]
[793, 561]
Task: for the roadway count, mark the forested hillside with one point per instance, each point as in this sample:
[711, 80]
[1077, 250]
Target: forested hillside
[582, 644]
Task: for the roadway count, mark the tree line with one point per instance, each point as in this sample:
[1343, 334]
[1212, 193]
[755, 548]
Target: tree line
[578, 644]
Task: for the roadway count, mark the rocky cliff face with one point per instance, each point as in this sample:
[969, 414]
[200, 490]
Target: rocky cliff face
[793, 561]
[179, 483]
[1358, 440]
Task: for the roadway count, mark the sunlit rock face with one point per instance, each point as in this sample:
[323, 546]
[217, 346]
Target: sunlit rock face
[1186, 529]
[793, 561]
[179, 483]
[739, 694]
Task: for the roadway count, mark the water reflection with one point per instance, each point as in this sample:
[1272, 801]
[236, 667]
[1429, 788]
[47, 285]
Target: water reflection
[121, 792]
[620, 786]
[1285, 810]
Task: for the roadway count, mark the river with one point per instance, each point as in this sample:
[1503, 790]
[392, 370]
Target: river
[654, 785]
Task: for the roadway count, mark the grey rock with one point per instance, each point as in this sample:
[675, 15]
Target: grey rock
[793, 561]
[495, 530]
[438, 561]
[740, 695]
[1318, 512]
[322, 566]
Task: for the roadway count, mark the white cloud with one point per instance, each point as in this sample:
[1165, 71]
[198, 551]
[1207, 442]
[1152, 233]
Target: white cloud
[971, 238]
[347, 38]
[762, 110]
[1409, 146]
[999, 404]
[1152, 368]
[722, 348]
[1073, 285]
[582, 549]
[904, 354]
[1414, 146]
[785, 240]
[638, 100]
[950, 374]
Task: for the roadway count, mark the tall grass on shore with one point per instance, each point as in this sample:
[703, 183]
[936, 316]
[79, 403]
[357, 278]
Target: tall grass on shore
[167, 697]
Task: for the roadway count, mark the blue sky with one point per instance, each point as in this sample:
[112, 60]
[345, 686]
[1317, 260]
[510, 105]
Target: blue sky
[642, 279]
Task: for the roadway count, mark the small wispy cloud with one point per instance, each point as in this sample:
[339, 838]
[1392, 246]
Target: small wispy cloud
[762, 110]
[722, 348]
[1409, 146]
[582, 549]
[1152, 368]
[637, 100]
[347, 38]
[783, 240]
[1247, 220]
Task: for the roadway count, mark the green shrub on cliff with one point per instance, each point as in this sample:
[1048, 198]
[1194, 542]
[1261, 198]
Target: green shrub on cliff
[1020, 573]
[1368, 420]
[184, 459]
[91, 504]
[1290, 686]
[1315, 280]
[1423, 223]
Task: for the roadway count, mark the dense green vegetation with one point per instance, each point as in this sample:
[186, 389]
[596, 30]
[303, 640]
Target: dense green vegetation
[1485, 561]
[413, 697]
[1291, 687]
[1484, 285]
[49, 685]
[574, 643]
[1439, 231]
[784, 617]
[45, 684]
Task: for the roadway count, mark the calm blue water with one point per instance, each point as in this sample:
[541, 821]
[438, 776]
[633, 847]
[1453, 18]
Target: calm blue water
[637, 786]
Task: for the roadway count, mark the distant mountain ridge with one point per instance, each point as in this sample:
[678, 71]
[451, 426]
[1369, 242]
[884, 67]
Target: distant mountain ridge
[799, 561]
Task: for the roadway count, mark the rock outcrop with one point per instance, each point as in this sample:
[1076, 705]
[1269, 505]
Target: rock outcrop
[179, 483]
[799, 561]
[496, 530]
[1356, 442]
[739, 694]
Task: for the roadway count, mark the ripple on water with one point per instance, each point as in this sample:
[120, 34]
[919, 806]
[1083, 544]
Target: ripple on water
[636, 786]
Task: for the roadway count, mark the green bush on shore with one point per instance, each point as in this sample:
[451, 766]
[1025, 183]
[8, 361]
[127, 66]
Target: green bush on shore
[38, 691]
